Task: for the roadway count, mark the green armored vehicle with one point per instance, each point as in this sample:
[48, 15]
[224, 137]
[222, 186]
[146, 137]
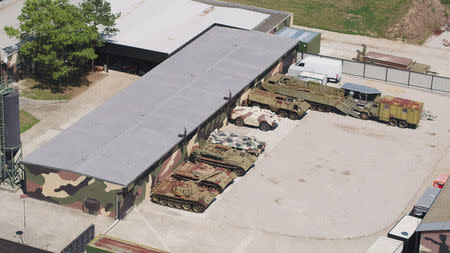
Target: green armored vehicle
[204, 175]
[283, 105]
[186, 195]
[237, 161]
[321, 97]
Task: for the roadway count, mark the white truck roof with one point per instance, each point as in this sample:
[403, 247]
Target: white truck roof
[385, 245]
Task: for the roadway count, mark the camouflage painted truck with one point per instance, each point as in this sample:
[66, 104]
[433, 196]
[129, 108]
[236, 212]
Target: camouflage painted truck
[322, 98]
[254, 116]
[237, 161]
[204, 175]
[242, 142]
[185, 195]
[283, 105]
[396, 111]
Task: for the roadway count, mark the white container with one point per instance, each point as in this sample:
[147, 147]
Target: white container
[311, 76]
[331, 68]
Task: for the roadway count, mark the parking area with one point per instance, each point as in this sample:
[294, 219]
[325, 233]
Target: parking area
[325, 183]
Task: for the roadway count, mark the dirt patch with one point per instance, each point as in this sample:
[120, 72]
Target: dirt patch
[318, 166]
[346, 173]
[432, 134]
[277, 200]
[302, 180]
[361, 131]
[273, 180]
[432, 145]
[423, 17]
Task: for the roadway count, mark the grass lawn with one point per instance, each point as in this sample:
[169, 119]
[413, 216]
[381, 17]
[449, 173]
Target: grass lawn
[26, 121]
[367, 17]
[38, 91]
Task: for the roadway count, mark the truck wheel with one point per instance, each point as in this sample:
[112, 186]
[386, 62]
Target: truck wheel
[239, 122]
[293, 116]
[323, 108]
[197, 208]
[282, 113]
[263, 126]
[402, 124]
[364, 116]
[313, 107]
[392, 122]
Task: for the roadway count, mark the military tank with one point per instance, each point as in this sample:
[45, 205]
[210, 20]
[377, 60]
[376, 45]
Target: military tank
[237, 161]
[204, 175]
[248, 143]
[185, 195]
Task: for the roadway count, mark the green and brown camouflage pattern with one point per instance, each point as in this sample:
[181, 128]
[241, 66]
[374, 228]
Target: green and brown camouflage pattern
[237, 161]
[204, 175]
[186, 195]
[283, 105]
[71, 189]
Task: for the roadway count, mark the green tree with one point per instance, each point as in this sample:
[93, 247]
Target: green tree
[59, 39]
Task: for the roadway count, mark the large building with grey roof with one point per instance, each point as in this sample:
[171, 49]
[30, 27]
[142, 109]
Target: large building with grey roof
[110, 159]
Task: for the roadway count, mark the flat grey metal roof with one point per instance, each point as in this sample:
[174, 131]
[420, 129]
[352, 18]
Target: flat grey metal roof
[123, 137]
[298, 34]
[438, 217]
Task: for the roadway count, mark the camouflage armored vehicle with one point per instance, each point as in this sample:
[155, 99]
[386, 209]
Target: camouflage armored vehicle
[321, 97]
[237, 161]
[247, 143]
[204, 175]
[186, 195]
[283, 105]
[254, 116]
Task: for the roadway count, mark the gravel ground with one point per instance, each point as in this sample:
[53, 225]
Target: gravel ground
[326, 183]
[345, 45]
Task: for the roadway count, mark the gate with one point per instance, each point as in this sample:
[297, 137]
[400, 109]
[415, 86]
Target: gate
[79, 244]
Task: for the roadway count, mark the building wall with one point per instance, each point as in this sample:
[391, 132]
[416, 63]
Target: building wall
[435, 242]
[70, 189]
[164, 168]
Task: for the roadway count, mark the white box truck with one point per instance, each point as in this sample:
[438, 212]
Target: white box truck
[331, 68]
[311, 76]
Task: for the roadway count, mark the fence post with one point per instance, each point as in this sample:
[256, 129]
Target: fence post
[364, 70]
[432, 80]
[409, 77]
[387, 70]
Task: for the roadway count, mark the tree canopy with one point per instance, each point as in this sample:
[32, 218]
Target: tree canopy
[59, 39]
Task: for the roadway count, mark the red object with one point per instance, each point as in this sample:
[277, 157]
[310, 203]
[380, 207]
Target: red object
[24, 196]
[405, 103]
[440, 180]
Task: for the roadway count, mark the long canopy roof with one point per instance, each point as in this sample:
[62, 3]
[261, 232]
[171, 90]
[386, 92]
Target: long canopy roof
[123, 137]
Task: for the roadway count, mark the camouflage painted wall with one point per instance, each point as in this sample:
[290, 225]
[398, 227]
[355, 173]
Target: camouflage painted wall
[70, 189]
[435, 242]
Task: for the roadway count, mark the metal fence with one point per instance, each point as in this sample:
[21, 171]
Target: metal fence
[391, 75]
[79, 244]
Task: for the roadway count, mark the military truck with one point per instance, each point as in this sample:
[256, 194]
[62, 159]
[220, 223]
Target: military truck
[254, 116]
[396, 111]
[388, 60]
[204, 175]
[320, 97]
[185, 195]
[237, 161]
[283, 105]
[242, 142]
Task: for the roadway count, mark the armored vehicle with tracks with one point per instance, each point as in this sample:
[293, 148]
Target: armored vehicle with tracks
[321, 97]
[254, 116]
[204, 175]
[283, 105]
[248, 143]
[237, 161]
[186, 195]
